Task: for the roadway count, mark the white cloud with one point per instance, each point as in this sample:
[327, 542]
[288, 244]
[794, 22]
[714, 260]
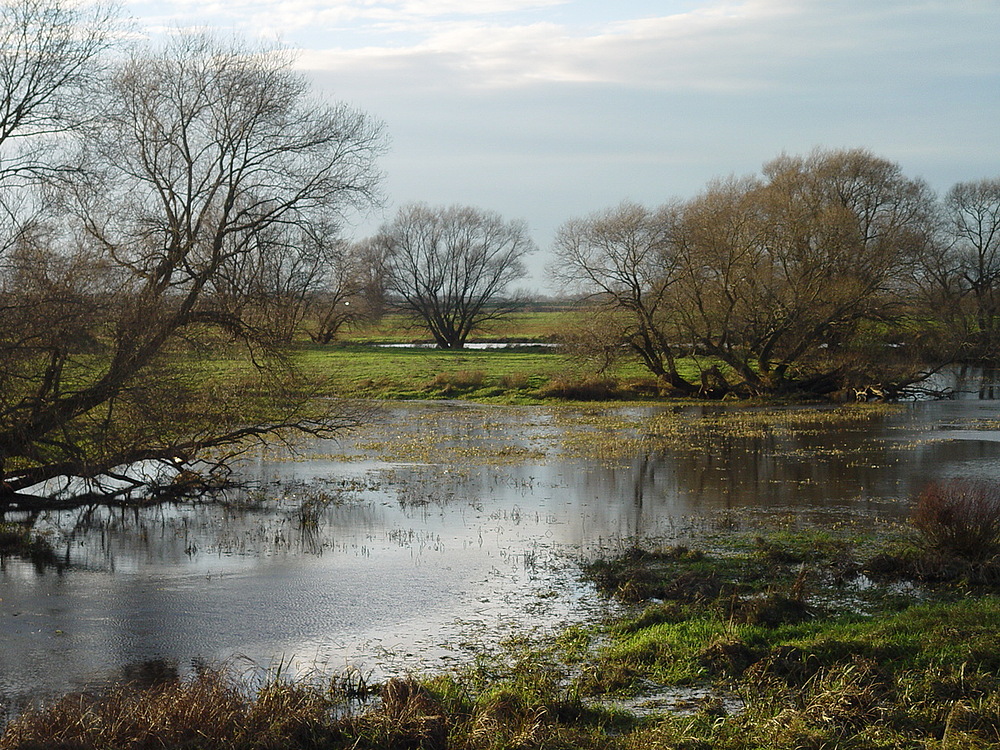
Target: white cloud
[682, 51]
[719, 46]
[287, 17]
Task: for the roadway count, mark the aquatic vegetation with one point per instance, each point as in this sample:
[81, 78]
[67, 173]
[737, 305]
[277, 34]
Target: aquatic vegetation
[19, 540]
[610, 435]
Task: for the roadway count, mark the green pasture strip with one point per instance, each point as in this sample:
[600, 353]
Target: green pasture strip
[370, 372]
[527, 326]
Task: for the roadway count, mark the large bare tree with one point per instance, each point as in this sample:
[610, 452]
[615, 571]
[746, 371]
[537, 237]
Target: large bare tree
[452, 268]
[205, 160]
[625, 262]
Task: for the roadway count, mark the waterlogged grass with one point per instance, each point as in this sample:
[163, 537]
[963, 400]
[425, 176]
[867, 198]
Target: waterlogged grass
[921, 674]
[781, 628]
[472, 436]
[603, 435]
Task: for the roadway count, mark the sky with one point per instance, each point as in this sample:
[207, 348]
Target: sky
[547, 110]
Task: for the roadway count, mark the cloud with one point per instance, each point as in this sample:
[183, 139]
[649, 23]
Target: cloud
[740, 47]
[545, 109]
[287, 18]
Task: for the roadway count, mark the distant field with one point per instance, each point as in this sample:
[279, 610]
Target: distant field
[356, 367]
[529, 326]
[508, 375]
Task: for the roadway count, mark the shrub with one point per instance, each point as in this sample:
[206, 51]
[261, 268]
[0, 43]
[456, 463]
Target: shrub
[960, 518]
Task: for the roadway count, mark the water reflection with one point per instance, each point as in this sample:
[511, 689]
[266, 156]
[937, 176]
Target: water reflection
[406, 546]
[965, 381]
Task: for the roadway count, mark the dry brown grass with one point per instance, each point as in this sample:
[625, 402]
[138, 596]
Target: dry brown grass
[460, 381]
[588, 388]
[960, 518]
[210, 712]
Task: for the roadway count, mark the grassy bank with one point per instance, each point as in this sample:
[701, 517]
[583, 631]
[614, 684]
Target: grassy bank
[515, 375]
[864, 635]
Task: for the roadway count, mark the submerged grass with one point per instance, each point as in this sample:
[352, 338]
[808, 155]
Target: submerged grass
[20, 541]
[781, 627]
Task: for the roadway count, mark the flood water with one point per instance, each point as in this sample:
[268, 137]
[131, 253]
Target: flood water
[438, 530]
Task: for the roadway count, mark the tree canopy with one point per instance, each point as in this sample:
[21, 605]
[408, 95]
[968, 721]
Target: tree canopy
[768, 283]
[451, 268]
[202, 164]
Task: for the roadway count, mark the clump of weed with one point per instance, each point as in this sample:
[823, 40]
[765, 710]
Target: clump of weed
[589, 388]
[515, 381]
[669, 574]
[774, 608]
[727, 655]
[17, 540]
[211, 712]
[834, 706]
[409, 716]
[794, 547]
[462, 381]
[960, 518]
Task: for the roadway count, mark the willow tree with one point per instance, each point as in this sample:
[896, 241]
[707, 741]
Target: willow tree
[202, 159]
[452, 268]
[770, 283]
[810, 258]
[625, 262]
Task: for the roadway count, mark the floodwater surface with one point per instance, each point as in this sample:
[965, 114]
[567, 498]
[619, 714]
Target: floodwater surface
[425, 538]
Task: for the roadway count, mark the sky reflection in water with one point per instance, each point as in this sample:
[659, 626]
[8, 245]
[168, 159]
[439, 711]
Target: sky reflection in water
[428, 537]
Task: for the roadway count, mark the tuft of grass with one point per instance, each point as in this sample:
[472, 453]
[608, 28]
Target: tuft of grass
[586, 388]
[450, 383]
[213, 711]
[960, 518]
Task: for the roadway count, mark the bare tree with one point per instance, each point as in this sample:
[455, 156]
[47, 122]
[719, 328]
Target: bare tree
[207, 157]
[972, 211]
[50, 52]
[769, 283]
[351, 290]
[452, 267]
[624, 260]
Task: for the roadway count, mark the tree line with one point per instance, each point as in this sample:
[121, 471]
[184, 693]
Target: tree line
[826, 272]
[191, 196]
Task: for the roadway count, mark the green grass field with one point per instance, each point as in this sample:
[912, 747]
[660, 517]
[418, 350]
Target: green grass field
[365, 371]
[528, 326]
